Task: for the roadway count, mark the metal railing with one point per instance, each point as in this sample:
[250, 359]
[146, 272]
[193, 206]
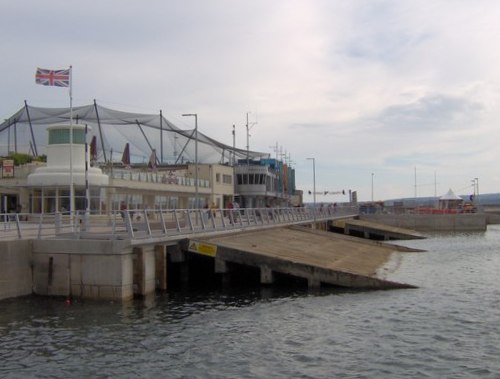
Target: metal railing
[147, 223]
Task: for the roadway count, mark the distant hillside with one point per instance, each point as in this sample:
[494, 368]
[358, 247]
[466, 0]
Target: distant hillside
[484, 199]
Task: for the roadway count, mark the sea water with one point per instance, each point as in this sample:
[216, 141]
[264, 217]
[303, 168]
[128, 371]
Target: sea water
[449, 327]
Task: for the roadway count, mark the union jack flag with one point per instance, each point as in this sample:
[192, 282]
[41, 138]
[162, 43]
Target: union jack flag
[58, 78]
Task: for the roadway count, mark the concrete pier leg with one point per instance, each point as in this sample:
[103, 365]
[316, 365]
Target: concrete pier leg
[176, 254]
[222, 267]
[161, 267]
[266, 275]
[144, 270]
[184, 270]
[313, 283]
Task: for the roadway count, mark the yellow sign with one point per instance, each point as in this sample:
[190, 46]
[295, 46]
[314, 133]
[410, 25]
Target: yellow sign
[203, 248]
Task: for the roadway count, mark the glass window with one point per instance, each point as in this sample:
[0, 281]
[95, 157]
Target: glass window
[227, 179]
[61, 136]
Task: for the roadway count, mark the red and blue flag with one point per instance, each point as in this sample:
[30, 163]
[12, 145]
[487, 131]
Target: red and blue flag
[58, 78]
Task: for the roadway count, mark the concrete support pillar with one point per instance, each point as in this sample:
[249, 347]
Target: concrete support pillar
[184, 270]
[161, 267]
[313, 283]
[176, 254]
[266, 275]
[144, 270]
[366, 235]
[220, 266]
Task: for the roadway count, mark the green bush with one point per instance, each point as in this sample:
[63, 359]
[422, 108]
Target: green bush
[20, 158]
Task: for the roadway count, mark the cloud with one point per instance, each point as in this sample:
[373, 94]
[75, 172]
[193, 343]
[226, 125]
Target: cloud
[380, 86]
[430, 113]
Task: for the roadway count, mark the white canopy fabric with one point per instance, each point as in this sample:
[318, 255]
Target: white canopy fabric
[450, 195]
[25, 132]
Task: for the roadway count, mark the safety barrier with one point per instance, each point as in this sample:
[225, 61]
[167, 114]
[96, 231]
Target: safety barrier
[145, 223]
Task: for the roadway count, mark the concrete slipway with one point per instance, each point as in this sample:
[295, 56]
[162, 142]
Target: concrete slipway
[317, 256]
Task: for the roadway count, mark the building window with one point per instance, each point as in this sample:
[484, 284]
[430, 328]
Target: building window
[227, 179]
[61, 136]
[217, 178]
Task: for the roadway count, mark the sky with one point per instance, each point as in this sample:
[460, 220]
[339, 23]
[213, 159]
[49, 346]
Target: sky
[391, 98]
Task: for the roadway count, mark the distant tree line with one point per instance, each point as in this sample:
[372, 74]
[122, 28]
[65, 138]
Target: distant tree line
[21, 158]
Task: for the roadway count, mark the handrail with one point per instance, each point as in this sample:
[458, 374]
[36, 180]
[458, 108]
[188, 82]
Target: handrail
[148, 223]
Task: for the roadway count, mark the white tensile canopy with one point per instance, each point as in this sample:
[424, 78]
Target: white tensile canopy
[26, 132]
[450, 195]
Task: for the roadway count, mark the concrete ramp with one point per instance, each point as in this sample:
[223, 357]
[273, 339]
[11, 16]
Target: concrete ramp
[369, 229]
[318, 256]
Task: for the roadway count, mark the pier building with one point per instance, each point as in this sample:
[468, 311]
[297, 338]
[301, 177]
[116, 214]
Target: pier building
[265, 183]
[185, 169]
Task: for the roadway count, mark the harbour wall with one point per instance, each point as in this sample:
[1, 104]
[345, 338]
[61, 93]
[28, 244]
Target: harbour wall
[96, 269]
[435, 222]
[119, 269]
[15, 268]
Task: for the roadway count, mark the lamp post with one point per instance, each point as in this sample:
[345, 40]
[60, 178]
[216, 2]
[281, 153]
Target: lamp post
[372, 186]
[314, 190]
[249, 126]
[195, 115]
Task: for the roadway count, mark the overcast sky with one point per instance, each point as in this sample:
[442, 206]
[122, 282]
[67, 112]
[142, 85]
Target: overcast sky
[384, 90]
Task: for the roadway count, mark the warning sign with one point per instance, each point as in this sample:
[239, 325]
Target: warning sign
[203, 248]
[8, 168]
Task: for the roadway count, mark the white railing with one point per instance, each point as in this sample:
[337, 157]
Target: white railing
[147, 223]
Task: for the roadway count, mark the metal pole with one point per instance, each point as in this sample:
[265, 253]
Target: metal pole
[100, 132]
[233, 162]
[372, 187]
[477, 187]
[71, 184]
[314, 190]
[15, 136]
[248, 143]
[415, 186]
[195, 115]
[146, 138]
[87, 189]
[161, 137]
[196, 158]
[31, 128]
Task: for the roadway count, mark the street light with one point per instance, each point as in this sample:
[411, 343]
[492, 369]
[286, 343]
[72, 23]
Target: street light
[249, 127]
[372, 186]
[314, 189]
[195, 115]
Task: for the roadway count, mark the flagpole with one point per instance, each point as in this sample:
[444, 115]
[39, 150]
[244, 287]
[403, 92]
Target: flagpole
[71, 184]
[87, 189]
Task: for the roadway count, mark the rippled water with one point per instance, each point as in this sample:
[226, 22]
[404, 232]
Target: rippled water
[447, 328]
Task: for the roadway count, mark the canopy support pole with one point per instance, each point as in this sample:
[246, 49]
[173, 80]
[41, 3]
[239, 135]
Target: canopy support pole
[15, 136]
[184, 148]
[146, 138]
[100, 131]
[35, 151]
